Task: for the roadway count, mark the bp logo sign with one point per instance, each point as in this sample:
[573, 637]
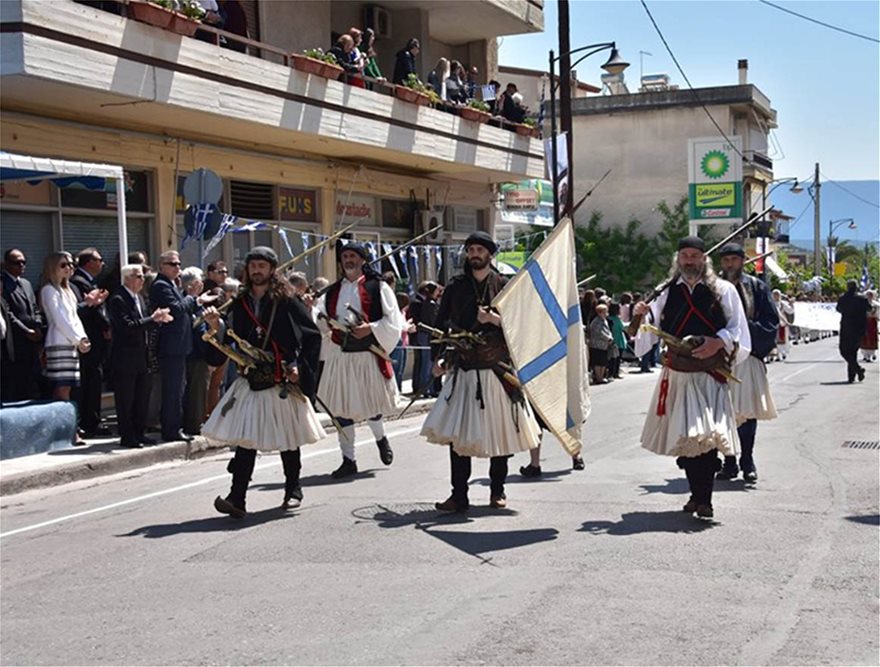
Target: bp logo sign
[715, 179]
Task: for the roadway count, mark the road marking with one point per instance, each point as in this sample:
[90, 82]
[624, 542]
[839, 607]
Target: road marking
[184, 487]
[805, 368]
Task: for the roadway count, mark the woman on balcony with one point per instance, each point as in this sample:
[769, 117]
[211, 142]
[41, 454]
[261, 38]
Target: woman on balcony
[371, 67]
[438, 77]
[342, 51]
[456, 91]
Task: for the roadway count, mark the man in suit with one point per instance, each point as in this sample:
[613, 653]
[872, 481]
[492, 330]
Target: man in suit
[93, 313]
[853, 309]
[129, 321]
[175, 342]
[26, 328]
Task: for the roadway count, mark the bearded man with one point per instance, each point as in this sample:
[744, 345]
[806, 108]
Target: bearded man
[691, 415]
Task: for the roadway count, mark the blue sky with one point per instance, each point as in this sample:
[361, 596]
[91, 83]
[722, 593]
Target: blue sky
[825, 85]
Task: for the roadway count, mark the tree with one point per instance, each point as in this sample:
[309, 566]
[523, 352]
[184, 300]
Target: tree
[619, 256]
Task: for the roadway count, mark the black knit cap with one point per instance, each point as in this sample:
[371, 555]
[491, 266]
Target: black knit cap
[694, 242]
[483, 239]
[732, 249]
[358, 248]
[263, 253]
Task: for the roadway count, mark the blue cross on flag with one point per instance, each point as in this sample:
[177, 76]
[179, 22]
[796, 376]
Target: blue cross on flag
[541, 319]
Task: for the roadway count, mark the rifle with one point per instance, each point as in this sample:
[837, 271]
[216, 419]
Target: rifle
[683, 347]
[758, 258]
[345, 330]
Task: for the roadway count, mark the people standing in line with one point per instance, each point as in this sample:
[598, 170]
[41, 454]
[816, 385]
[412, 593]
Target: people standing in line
[19, 380]
[869, 341]
[358, 383]
[691, 414]
[785, 310]
[270, 408]
[479, 413]
[93, 313]
[600, 342]
[198, 373]
[130, 321]
[216, 276]
[405, 61]
[174, 341]
[752, 399]
[853, 309]
[423, 310]
[66, 338]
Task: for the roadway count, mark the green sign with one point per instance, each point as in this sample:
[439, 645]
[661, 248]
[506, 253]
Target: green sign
[715, 179]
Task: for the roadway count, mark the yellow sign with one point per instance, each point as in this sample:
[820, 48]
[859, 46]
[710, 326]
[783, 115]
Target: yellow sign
[840, 269]
[715, 194]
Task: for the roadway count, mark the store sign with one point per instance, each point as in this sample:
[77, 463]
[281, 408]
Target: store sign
[715, 179]
[354, 208]
[297, 205]
[527, 203]
[521, 200]
[20, 192]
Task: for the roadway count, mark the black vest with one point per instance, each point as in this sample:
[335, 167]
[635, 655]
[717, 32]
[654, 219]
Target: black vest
[679, 318]
[370, 290]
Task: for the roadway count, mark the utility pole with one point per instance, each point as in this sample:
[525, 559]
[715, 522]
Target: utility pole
[817, 231]
[565, 101]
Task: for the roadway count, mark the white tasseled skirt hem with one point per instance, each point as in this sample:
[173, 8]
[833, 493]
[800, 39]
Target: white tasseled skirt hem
[752, 398]
[262, 420]
[353, 387]
[699, 417]
[502, 428]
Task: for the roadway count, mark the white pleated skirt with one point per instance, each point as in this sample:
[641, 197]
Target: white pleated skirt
[262, 420]
[353, 387]
[502, 428]
[752, 398]
[698, 417]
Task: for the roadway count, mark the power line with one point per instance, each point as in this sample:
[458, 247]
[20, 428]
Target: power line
[693, 90]
[850, 192]
[822, 23]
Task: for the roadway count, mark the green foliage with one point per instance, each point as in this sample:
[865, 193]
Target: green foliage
[479, 105]
[318, 54]
[167, 4]
[191, 9]
[620, 256]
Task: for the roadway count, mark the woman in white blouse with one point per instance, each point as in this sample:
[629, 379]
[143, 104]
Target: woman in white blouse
[66, 337]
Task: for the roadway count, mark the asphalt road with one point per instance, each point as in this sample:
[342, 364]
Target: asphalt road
[592, 567]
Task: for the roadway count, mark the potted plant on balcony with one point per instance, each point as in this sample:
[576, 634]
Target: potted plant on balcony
[189, 17]
[477, 111]
[159, 13]
[532, 124]
[315, 61]
[413, 91]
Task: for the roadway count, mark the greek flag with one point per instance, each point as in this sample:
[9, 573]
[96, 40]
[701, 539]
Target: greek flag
[226, 223]
[541, 318]
[865, 282]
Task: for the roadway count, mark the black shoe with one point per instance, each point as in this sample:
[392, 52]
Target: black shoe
[130, 444]
[751, 476]
[690, 506]
[225, 506]
[144, 440]
[861, 374]
[450, 505]
[727, 473]
[577, 463]
[98, 432]
[705, 512]
[177, 437]
[530, 471]
[347, 469]
[292, 498]
[385, 453]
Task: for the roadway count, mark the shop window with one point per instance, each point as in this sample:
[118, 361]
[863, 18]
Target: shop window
[137, 195]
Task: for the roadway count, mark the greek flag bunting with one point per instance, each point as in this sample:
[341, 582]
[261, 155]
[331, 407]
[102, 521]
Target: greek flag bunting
[541, 319]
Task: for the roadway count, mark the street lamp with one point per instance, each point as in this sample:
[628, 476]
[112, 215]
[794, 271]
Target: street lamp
[614, 65]
[832, 225]
[764, 226]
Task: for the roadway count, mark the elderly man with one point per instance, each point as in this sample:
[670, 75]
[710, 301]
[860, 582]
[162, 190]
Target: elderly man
[175, 341]
[691, 415]
[130, 322]
[751, 397]
[26, 327]
[358, 382]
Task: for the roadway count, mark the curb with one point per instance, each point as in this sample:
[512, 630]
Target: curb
[113, 460]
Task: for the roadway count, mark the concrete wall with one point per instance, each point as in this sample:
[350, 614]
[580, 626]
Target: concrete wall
[295, 26]
[647, 153]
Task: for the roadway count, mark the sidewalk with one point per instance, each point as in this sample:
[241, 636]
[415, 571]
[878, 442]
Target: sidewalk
[104, 456]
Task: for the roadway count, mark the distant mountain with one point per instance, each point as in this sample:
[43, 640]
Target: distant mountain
[836, 204]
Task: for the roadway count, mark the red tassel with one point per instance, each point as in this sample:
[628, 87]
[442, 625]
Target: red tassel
[664, 390]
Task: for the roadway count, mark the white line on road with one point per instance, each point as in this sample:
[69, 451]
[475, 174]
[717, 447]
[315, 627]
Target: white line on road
[183, 487]
[805, 368]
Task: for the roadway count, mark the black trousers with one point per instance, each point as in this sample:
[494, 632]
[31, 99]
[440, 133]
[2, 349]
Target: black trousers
[172, 370]
[18, 379]
[700, 471]
[91, 367]
[746, 431]
[461, 474]
[132, 393]
[850, 353]
[242, 468]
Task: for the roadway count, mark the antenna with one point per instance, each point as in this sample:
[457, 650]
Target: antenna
[642, 54]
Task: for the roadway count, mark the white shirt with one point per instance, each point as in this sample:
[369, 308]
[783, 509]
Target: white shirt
[387, 330]
[137, 301]
[737, 329]
[59, 306]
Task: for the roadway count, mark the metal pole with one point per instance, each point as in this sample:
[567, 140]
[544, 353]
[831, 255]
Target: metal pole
[765, 228]
[554, 176]
[565, 101]
[817, 231]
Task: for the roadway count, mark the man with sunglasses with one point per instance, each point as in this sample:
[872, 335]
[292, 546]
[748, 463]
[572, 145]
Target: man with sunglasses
[20, 367]
[175, 342]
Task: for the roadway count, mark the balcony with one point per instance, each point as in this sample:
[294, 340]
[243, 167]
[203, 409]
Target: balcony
[759, 167]
[70, 61]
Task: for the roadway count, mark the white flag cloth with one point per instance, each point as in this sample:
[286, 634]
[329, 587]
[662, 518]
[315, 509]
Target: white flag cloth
[541, 319]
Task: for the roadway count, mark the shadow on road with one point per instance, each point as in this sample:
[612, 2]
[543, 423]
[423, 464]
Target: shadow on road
[674, 486]
[214, 524]
[316, 480]
[422, 515]
[832, 384]
[867, 519]
[634, 523]
[551, 476]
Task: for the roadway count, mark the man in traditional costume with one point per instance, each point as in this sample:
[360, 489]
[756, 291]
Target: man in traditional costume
[481, 410]
[358, 382]
[752, 400]
[869, 340]
[267, 408]
[691, 414]
[785, 310]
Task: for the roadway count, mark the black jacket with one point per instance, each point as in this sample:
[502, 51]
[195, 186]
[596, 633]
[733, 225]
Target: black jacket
[94, 318]
[853, 311]
[404, 65]
[24, 313]
[761, 313]
[129, 348]
[175, 338]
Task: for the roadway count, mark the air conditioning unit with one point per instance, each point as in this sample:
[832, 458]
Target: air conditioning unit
[430, 219]
[379, 19]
